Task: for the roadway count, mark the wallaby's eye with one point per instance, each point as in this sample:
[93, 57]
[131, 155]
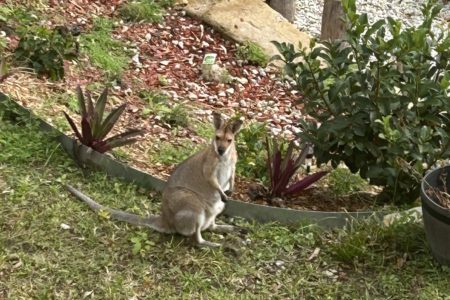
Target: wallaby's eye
[217, 137]
[229, 140]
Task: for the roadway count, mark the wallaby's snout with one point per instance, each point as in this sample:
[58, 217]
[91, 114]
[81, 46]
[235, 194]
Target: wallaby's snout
[220, 150]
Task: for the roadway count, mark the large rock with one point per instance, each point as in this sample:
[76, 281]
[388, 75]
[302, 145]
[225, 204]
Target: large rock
[247, 20]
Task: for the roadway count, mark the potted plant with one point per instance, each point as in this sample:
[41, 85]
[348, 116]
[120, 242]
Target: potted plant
[436, 212]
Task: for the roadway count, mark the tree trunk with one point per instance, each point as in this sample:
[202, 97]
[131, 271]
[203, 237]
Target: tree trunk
[332, 26]
[285, 7]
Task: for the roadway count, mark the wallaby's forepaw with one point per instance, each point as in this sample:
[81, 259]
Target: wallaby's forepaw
[242, 230]
[228, 192]
[224, 197]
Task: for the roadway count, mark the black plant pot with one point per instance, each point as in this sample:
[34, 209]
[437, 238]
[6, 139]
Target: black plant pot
[435, 217]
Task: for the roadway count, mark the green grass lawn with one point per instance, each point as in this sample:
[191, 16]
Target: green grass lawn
[53, 247]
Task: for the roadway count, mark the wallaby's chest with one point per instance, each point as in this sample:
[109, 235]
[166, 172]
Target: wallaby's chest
[224, 171]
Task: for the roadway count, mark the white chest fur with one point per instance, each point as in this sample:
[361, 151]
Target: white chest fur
[224, 171]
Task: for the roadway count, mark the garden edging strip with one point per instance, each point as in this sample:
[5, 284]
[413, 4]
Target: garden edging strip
[233, 208]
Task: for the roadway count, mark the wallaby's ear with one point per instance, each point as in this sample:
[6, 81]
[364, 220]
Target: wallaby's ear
[236, 126]
[217, 120]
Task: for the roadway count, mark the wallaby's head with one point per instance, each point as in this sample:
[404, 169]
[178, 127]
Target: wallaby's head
[225, 133]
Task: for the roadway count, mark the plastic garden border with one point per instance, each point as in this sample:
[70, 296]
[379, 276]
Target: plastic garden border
[233, 208]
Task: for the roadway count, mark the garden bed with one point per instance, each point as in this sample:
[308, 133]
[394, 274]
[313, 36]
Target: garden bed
[161, 83]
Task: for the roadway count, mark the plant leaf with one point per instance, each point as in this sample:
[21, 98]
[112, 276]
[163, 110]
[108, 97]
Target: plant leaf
[120, 142]
[125, 135]
[100, 110]
[100, 146]
[74, 127]
[288, 156]
[90, 109]
[305, 182]
[110, 121]
[81, 102]
[86, 131]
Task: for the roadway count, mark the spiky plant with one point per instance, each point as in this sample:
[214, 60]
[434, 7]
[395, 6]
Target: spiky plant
[282, 169]
[95, 128]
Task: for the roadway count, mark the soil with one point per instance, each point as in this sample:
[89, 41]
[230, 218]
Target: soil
[440, 194]
[174, 50]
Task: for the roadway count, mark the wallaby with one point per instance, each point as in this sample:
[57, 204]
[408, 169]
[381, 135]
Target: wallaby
[195, 192]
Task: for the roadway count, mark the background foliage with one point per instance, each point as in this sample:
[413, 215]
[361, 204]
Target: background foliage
[381, 97]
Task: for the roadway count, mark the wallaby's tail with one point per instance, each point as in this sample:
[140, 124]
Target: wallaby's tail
[153, 222]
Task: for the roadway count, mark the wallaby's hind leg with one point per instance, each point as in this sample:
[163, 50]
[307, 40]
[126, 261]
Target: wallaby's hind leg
[221, 228]
[186, 222]
[203, 243]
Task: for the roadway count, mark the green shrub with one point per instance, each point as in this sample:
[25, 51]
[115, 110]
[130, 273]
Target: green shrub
[45, 49]
[252, 53]
[250, 146]
[381, 99]
[146, 10]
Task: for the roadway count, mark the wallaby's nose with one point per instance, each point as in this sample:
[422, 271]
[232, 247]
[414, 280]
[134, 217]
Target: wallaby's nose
[220, 150]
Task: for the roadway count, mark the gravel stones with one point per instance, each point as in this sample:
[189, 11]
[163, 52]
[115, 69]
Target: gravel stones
[309, 12]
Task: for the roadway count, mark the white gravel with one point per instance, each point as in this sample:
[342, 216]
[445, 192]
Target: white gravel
[309, 12]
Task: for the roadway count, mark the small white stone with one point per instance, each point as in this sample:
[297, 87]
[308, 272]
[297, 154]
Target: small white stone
[242, 80]
[164, 62]
[148, 37]
[64, 226]
[192, 96]
[230, 91]
[262, 72]
[279, 263]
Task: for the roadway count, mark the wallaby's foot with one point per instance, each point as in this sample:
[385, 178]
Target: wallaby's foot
[201, 242]
[228, 193]
[222, 228]
[209, 244]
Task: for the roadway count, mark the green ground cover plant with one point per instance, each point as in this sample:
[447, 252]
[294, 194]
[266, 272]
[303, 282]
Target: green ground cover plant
[252, 151]
[252, 53]
[103, 50]
[146, 10]
[53, 246]
[380, 96]
[343, 182]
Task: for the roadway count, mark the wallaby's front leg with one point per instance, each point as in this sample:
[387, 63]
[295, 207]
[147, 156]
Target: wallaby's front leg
[231, 183]
[210, 173]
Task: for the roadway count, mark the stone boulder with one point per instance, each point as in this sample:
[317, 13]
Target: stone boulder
[247, 20]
